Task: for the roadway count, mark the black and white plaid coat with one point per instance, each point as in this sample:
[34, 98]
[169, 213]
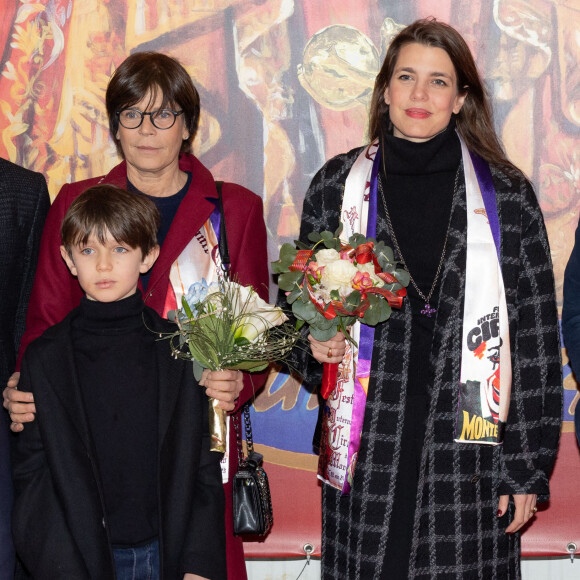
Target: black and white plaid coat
[457, 533]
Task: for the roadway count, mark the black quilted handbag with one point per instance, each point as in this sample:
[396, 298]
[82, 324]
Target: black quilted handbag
[252, 502]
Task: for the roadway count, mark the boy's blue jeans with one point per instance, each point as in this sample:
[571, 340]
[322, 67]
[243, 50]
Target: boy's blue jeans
[137, 563]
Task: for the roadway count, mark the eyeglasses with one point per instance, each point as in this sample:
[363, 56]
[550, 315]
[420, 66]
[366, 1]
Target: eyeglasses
[162, 118]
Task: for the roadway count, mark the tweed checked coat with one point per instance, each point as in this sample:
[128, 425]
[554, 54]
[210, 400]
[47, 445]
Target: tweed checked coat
[456, 532]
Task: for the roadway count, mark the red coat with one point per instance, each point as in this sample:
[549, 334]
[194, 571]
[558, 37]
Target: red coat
[56, 292]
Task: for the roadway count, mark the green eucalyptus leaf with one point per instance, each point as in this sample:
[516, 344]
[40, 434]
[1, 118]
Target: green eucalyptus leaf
[343, 325]
[279, 267]
[384, 256]
[402, 276]
[339, 230]
[294, 295]
[314, 237]
[385, 311]
[332, 244]
[373, 313]
[353, 299]
[322, 322]
[326, 235]
[288, 281]
[356, 240]
[323, 334]
[288, 252]
[304, 310]
[301, 245]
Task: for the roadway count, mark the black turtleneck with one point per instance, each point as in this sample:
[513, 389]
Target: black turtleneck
[115, 358]
[418, 189]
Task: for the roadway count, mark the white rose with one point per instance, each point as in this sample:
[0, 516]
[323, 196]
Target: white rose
[370, 268]
[338, 276]
[325, 257]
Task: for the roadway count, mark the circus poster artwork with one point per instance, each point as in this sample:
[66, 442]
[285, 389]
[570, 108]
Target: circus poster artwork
[285, 85]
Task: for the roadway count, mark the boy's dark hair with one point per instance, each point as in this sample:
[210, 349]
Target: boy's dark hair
[129, 217]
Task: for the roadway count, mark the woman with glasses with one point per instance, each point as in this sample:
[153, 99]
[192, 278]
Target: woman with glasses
[153, 109]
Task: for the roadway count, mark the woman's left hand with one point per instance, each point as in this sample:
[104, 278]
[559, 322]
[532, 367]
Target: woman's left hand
[224, 386]
[525, 510]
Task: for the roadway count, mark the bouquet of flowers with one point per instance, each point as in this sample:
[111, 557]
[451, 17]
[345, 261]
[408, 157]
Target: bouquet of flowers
[226, 325]
[333, 284]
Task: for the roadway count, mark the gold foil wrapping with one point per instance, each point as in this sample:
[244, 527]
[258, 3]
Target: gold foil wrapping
[217, 427]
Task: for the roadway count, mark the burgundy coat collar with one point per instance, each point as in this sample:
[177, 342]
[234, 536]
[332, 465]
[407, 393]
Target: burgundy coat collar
[193, 212]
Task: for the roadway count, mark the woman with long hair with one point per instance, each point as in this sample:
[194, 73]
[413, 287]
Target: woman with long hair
[462, 416]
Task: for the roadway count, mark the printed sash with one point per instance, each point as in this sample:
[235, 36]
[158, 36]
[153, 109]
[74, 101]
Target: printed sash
[199, 259]
[485, 380]
[485, 384]
[343, 414]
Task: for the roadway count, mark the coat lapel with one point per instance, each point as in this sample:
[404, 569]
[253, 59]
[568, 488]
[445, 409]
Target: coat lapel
[170, 373]
[193, 212]
[60, 366]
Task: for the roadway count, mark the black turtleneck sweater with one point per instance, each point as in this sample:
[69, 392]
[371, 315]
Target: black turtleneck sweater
[115, 358]
[418, 189]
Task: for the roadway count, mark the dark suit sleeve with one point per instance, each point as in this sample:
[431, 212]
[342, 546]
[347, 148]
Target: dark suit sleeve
[30, 257]
[533, 426]
[41, 535]
[571, 309]
[204, 552]
[55, 291]
[571, 314]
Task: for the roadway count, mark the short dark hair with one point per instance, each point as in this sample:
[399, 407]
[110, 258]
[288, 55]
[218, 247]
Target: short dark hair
[105, 209]
[474, 121]
[144, 73]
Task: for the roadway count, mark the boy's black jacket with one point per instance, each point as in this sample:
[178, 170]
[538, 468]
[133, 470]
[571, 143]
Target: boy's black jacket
[59, 525]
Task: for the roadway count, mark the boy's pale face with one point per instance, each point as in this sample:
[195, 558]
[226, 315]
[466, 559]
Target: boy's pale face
[110, 271]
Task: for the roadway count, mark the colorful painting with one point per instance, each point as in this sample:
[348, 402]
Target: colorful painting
[285, 85]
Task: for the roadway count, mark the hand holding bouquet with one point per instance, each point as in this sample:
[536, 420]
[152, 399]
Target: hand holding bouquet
[333, 284]
[228, 326]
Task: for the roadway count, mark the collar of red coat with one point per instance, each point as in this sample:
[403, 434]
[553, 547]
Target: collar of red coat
[193, 212]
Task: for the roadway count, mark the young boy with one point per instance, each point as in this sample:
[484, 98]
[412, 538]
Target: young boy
[115, 478]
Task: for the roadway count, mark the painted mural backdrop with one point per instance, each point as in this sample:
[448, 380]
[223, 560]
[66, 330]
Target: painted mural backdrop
[284, 85]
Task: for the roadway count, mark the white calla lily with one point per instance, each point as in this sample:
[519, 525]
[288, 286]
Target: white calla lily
[253, 315]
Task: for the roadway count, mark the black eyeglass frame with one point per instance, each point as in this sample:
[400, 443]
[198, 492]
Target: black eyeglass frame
[151, 117]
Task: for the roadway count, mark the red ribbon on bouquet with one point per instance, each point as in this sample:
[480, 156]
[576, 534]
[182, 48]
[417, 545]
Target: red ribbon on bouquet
[329, 378]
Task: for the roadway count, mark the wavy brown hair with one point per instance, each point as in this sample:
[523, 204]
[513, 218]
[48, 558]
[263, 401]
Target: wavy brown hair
[474, 122]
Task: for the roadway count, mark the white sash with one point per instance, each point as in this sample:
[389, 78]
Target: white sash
[199, 259]
[343, 414]
[485, 365]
